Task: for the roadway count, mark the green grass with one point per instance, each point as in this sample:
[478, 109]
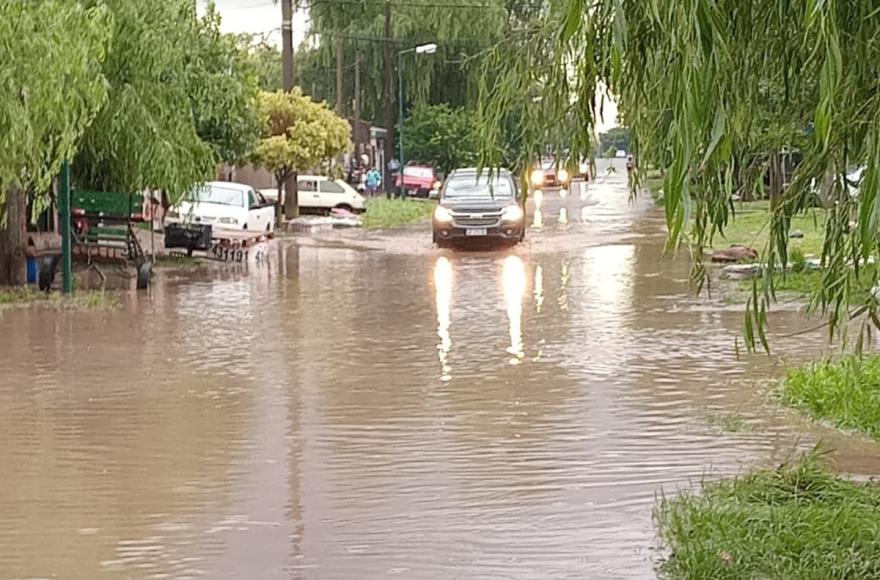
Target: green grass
[655, 188]
[844, 393]
[80, 300]
[390, 213]
[751, 227]
[795, 522]
[805, 283]
[727, 423]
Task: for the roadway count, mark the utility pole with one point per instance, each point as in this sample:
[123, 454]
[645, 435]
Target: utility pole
[358, 138]
[388, 95]
[340, 89]
[340, 61]
[288, 79]
[64, 216]
[290, 203]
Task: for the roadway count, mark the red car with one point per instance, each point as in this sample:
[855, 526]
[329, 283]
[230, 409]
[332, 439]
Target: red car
[418, 180]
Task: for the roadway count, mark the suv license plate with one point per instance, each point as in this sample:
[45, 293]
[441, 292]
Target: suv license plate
[476, 232]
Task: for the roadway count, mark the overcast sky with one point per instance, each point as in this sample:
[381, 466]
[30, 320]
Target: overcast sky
[258, 17]
[264, 17]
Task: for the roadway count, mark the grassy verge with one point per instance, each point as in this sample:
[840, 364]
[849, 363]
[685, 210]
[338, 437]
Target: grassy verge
[390, 213]
[653, 182]
[797, 521]
[844, 393]
[751, 227]
[81, 300]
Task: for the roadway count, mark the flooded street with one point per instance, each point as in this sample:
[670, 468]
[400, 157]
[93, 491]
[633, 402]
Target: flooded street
[352, 412]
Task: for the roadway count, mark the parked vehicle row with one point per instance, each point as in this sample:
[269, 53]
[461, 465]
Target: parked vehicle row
[235, 206]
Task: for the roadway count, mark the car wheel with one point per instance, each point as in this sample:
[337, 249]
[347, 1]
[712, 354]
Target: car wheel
[144, 273]
[47, 272]
[345, 207]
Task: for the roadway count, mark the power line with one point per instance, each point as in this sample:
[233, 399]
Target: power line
[398, 4]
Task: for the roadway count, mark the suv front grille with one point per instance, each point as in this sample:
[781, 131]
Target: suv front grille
[481, 222]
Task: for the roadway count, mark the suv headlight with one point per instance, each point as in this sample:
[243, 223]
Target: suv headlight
[563, 175]
[441, 214]
[229, 221]
[512, 213]
[584, 167]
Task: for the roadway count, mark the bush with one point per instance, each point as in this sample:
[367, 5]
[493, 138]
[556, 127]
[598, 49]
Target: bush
[798, 261]
[440, 136]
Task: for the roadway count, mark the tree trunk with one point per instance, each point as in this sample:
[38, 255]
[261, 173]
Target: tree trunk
[775, 179]
[388, 94]
[13, 238]
[291, 200]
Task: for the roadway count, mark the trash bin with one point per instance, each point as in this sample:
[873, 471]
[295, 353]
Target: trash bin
[33, 269]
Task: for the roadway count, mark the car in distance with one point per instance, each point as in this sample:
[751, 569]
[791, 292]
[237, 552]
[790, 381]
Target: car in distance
[319, 194]
[546, 175]
[224, 205]
[478, 206]
[418, 180]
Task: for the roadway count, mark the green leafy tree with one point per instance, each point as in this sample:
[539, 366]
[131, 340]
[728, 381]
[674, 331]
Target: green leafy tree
[616, 139]
[298, 134]
[50, 90]
[450, 76]
[264, 60]
[181, 100]
[440, 136]
[223, 90]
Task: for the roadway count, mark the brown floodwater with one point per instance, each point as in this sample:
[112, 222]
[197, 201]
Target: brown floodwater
[368, 407]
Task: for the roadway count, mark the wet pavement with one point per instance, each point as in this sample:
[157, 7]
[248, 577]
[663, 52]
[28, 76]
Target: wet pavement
[368, 407]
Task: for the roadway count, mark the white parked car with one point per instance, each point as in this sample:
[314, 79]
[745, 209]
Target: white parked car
[225, 205]
[320, 194]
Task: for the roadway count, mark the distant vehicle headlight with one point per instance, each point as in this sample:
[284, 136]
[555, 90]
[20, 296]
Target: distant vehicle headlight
[441, 214]
[229, 221]
[584, 168]
[537, 177]
[512, 213]
[563, 175]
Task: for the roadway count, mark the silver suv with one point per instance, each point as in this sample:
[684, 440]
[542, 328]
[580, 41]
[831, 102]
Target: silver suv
[479, 206]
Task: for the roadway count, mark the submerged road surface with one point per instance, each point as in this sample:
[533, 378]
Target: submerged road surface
[375, 408]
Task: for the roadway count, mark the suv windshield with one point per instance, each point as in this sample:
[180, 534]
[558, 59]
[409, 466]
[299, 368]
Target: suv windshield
[220, 196]
[470, 185]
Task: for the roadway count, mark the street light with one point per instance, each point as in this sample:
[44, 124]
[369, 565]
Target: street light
[420, 49]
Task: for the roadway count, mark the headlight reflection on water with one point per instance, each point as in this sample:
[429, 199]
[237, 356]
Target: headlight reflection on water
[539, 289]
[443, 298]
[513, 278]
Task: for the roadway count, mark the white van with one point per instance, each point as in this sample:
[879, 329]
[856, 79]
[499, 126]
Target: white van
[318, 193]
